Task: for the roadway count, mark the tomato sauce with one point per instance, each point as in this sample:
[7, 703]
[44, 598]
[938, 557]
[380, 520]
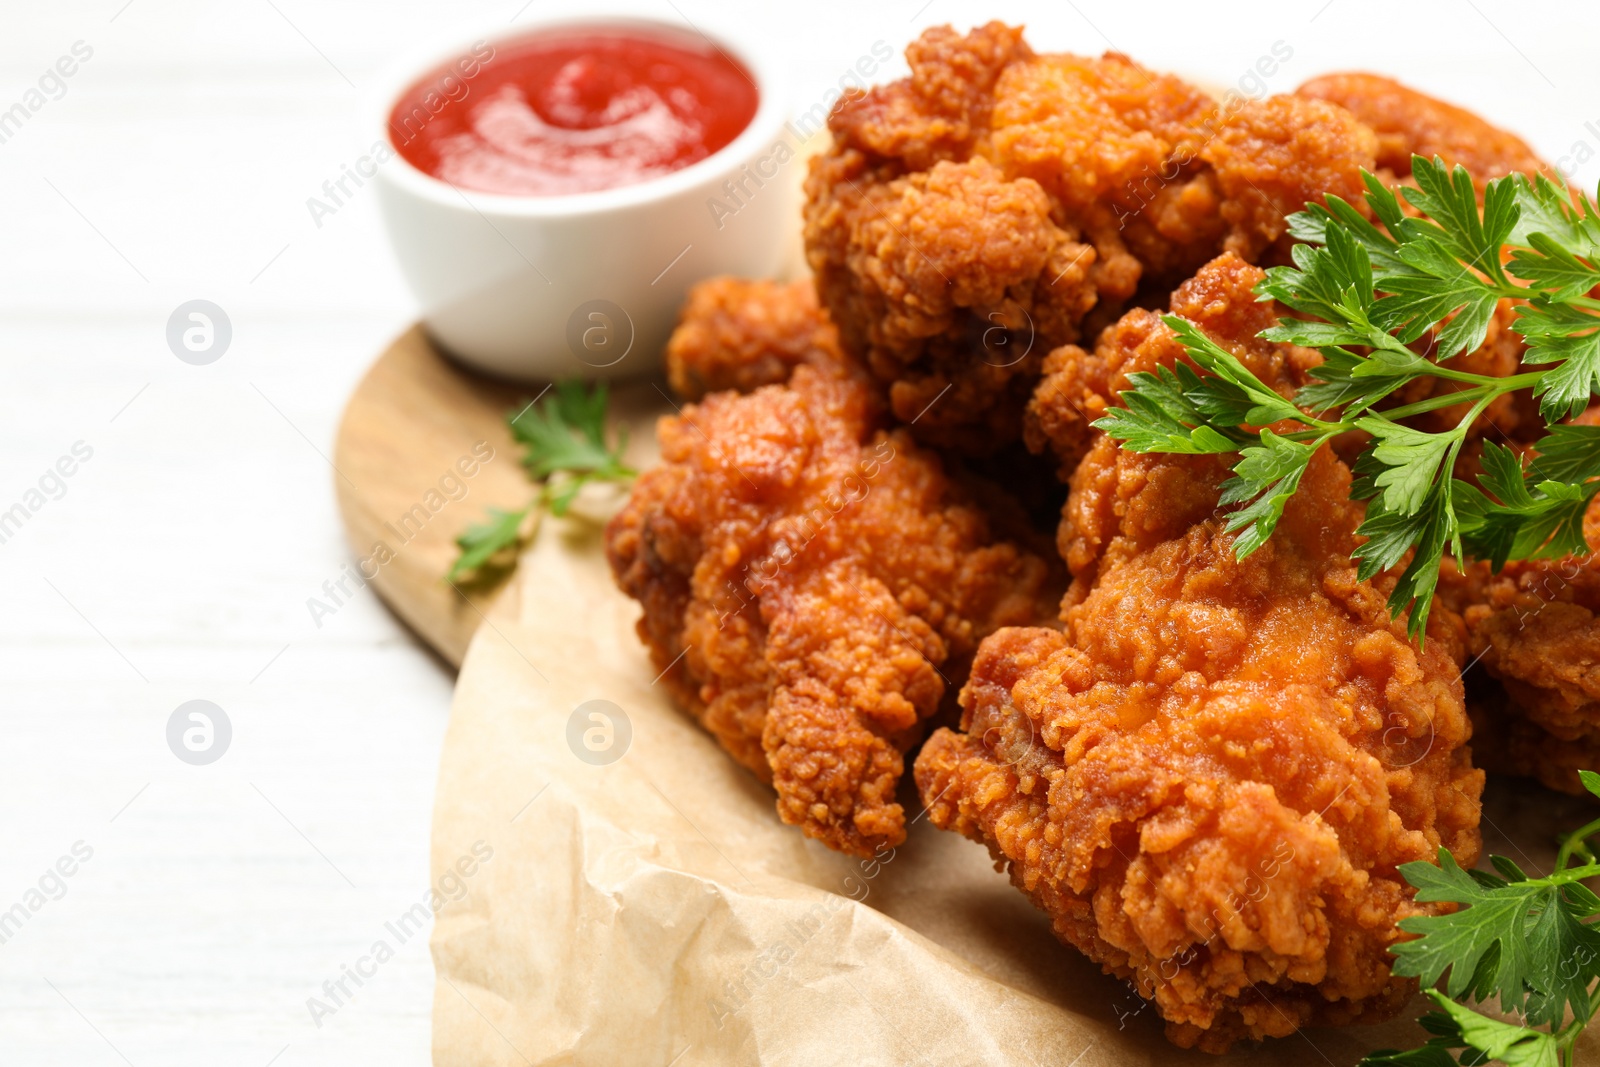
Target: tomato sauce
[574, 110]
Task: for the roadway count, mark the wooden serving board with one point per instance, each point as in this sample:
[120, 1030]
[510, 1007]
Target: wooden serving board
[412, 475]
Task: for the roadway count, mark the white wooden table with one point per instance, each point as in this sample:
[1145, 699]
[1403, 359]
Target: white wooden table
[178, 559]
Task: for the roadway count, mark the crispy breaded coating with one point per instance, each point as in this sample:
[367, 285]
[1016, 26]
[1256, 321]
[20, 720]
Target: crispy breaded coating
[805, 574]
[1411, 123]
[1530, 751]
[941, 110]
[1506, 740]
[997, 204]
[1535, 627]
[1145, 160]
[1227, 842]
[740, 335]
[1109, 139]
[1078, 386]
[952, 283]
[1272, 158]
[1209, 778]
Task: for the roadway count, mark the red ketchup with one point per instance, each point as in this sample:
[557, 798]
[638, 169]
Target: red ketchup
[574, 110]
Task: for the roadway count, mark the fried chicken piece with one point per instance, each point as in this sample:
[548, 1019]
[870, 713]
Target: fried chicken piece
[741, 335]
[941, 111]
[1505, 741]
[1078, 386]
[951, 283]
[805, 574]
[1535, 627]
[1531, 751]
[1411, 123]
[997, 204]
[1145, 160]
[1209, 778]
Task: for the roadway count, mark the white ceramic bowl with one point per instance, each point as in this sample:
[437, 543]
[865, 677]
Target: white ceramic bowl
[589, 284]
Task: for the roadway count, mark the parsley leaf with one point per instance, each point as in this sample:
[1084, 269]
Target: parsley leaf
[481, 542]
[1554, 268]
[1460, 1027]
[1390, 295]
[1449, 201]
[1550, 208]
[566, 432]
[1239, 397]
[1347, 380]
[1529, 944]
[1266, 476]
[1569, 454]
[1311, 225]
[565, 447]
[1434, 288]
[1485, 946]
[1564, 390]
[1537, 512]
[1390, 535]
[1160, 416]
[1410, 460]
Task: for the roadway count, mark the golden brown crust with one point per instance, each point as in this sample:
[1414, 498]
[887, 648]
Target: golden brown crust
[952, 283]
[1535, 628]
[1143, 160]
[740, 335]
[942, 109]
[1094, 131]
[997, 204]
[1078, 386]
[1272, 158]
[804, 575]
[1411, 123]
[1506, 741]
[1209, 779]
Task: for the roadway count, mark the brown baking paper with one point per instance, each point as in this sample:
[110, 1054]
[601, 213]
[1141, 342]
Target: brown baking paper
[655, 911]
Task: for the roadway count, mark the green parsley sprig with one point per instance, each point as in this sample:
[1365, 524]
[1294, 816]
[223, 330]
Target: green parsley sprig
[1529, 943]
[1370, 291]
[565, 447]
